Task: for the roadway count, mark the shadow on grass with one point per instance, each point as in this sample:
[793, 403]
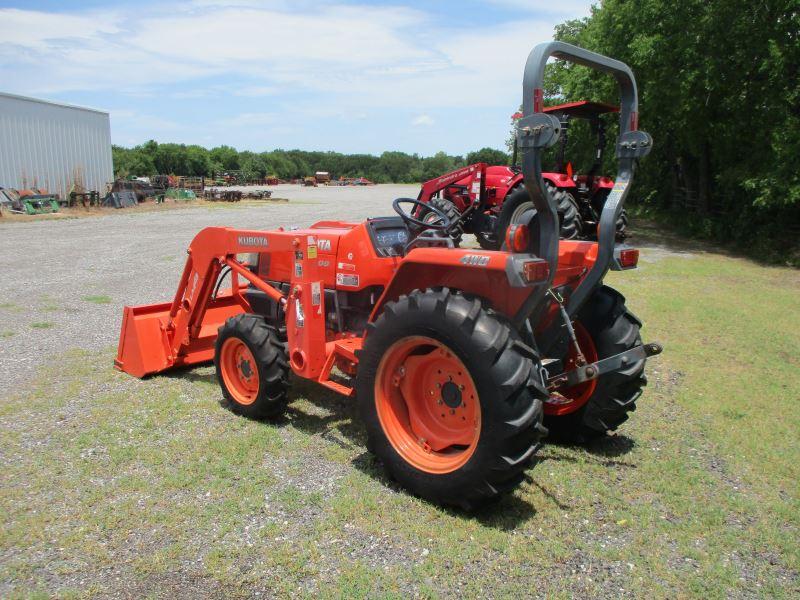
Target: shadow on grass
[334, 418]
[189, 374]
[603, 451]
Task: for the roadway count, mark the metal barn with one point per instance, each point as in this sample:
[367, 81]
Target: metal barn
[53, 146]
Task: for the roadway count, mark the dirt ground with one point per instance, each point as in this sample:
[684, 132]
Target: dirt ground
[65, 281]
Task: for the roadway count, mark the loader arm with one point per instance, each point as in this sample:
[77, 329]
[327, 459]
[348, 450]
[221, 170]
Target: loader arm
[159, 336]
[475, 189]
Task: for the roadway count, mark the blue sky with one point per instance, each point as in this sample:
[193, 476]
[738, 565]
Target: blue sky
[346, 76]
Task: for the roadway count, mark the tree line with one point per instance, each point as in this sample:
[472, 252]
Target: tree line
[153, 158]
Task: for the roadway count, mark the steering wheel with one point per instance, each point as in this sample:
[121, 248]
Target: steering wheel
[443, 224]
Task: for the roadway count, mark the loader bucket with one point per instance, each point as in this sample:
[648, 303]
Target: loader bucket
[146, 342]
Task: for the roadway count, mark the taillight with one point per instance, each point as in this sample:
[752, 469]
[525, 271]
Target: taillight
[629, 258]
[517, 238]
[534, 271]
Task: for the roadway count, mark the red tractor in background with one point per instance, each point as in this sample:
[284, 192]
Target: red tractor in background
[460, 359]
[487, 199]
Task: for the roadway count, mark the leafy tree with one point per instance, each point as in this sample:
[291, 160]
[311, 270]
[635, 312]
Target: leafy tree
[131, 161]
[198, 163]
[438, 164]
[719, 87]
[225, 156]
[489, 156]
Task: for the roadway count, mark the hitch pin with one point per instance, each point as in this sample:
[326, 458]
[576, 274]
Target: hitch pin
[580, 359]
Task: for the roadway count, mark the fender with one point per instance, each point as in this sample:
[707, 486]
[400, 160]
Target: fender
[479, 272]
[560, 180]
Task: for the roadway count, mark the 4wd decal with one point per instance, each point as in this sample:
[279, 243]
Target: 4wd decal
[474, 260]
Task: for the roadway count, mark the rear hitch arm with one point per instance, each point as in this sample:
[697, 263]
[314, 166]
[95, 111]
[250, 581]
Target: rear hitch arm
[617, 362]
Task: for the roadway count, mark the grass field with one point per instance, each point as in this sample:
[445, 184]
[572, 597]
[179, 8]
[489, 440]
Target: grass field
[114, 486]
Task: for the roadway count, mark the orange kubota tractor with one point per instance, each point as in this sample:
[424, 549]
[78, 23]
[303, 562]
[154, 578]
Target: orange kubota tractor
[459, 359]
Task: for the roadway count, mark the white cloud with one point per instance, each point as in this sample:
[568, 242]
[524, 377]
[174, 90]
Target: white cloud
[422, 121]
[49, 52]
[251, 119]
[256, 91]
[28, 28]
[341, 60]
[576, 8]
[133, 119]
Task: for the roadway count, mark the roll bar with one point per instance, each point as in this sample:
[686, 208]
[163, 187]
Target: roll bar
[536, 131]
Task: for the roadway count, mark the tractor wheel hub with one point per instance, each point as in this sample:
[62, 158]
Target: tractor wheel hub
[451, 395]
[246, 369]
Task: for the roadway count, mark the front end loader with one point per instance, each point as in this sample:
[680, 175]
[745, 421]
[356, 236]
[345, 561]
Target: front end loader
[460, 360]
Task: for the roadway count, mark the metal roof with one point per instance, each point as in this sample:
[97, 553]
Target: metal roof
[53, 103]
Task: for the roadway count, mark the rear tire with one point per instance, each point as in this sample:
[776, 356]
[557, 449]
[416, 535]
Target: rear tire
[252, 367]
[622, 225]
[518, 202]
[613, 329]
[498, 368]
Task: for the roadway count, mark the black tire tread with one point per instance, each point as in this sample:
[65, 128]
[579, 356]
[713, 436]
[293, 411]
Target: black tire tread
[613, 329]
[272, 363]
[622, 225]
[570, 222]
[448, 208]
[511, 424]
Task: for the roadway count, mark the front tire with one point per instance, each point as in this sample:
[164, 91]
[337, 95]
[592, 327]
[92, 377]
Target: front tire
[252, 367]
[451, 398]
[449, 209]
[518, 203]
[604, 327]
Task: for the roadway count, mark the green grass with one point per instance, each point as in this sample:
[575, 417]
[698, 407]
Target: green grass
[98, 299]
[697, 496]
[7, 334]
[42, 325]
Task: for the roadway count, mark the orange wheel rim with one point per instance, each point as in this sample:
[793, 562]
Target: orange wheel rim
[428, 405]
[239, 371]
[577, 395]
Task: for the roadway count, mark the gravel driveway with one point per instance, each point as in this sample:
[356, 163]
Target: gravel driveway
[64, 282]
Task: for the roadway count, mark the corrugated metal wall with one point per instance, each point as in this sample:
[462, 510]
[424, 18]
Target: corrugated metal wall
[51, 146]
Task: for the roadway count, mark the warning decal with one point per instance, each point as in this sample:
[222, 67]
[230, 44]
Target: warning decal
[347, 279]
[316, 293]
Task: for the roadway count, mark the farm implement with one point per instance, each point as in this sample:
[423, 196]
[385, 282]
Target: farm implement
[460, 360]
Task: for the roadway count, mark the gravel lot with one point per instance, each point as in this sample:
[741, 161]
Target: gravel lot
[49, 268]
